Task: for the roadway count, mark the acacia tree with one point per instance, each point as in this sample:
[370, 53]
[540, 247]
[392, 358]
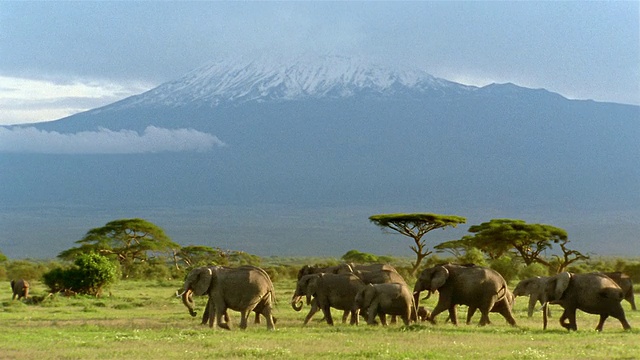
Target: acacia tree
[127, 240]
[416, 226]
[530, 242]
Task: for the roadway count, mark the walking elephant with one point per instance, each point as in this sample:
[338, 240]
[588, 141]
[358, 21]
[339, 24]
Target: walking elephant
[535, 288]
[243, 289]
[478, 287]
[382, 299]
[20, 289]
[328, 291]
[624, 281]
[593, 293]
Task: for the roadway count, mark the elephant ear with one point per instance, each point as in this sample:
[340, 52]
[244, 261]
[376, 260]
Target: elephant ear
[562, 283]
[439, 278]
[202, 280]
[369, 294]
[312, 284]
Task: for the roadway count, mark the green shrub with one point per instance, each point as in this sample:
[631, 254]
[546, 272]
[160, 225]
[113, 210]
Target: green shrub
[473, 256]
[506, 266]
[89, 275]
[533, 270]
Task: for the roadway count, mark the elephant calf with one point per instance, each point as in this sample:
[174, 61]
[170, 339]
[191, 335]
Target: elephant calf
[20, 289]
[383, 299]
[533, 287]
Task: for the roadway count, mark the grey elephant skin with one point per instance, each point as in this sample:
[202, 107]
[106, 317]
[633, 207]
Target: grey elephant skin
[535, 288]
[20, 289]
[624, 281]
[369, 273]
[593, 293]
[382, 299]
[329, 291]
[243, 289]
[478, 287]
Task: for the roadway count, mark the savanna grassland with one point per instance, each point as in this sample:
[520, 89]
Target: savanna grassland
[144, 319]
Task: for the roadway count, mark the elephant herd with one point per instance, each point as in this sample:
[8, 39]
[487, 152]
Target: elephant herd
[374, 291]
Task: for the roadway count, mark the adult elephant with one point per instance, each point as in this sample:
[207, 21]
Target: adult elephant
[243, 289]
[343, 268]
[535, 288]
[593, 293]
[624, 281]
[20, 289]
[382, 299]
[380, 276]
[478, 287]
[328, 291]
[371, 267]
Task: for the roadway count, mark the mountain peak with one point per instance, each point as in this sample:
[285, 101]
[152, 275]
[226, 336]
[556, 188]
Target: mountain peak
[269, 79]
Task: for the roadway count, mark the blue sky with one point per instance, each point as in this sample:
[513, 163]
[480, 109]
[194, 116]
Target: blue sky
[58, 58]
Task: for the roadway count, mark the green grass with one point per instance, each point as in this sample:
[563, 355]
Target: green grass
[146, 320]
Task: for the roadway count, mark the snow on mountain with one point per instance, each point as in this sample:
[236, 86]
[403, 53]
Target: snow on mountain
[303, 77]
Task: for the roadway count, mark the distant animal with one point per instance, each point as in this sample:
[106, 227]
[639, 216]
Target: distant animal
[20, 289]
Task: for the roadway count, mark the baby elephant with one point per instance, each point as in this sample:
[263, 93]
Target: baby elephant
[20, 289]
[383, 299]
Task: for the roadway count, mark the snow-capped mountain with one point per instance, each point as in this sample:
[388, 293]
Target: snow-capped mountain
[329, 132]
[266, 79]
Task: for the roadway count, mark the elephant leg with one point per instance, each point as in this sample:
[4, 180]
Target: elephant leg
[619, 314]
[453, 315]
[219, 317]
[271, 321]
[345, 315]
[440, 307]
[603, 317]
[383, 317]
[244, 318]
[257, 319]
[326, 310]
[355, 316]
[484, 319]
[632, 301]
[314, 309]
[508, 315]
[470, 312]
[371, 316]
[570, 317]
[532, 305]
[394, 319]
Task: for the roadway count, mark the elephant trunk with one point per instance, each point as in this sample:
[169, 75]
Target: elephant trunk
[296, 302]
[187, 300]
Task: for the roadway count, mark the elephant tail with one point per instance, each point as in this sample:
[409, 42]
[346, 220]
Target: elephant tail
[502, 293]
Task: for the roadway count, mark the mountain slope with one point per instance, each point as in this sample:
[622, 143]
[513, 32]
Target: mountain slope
[339, 132]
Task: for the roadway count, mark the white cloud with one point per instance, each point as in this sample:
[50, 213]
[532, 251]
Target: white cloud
[104, 141]
[29, 100]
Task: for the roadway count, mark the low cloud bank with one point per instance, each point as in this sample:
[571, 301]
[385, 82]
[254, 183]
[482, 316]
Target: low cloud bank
[104, 141]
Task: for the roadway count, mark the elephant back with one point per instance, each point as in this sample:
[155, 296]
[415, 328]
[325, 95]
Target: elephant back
[380, 277]
[240, 284]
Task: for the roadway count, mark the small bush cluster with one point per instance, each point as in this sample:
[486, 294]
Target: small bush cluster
[89, 275]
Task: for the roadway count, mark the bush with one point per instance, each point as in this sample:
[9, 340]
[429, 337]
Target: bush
[473, 256]
[533, 270]
[150, 270]
[89, 275]
[506, 266]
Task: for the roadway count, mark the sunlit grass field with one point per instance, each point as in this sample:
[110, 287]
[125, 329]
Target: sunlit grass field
[146, 320]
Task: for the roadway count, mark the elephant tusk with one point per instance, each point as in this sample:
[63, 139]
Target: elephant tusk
[180, 294]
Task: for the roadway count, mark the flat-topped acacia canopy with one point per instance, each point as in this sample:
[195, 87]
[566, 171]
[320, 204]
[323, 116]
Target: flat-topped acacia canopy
[436, 219]
[415, 226]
